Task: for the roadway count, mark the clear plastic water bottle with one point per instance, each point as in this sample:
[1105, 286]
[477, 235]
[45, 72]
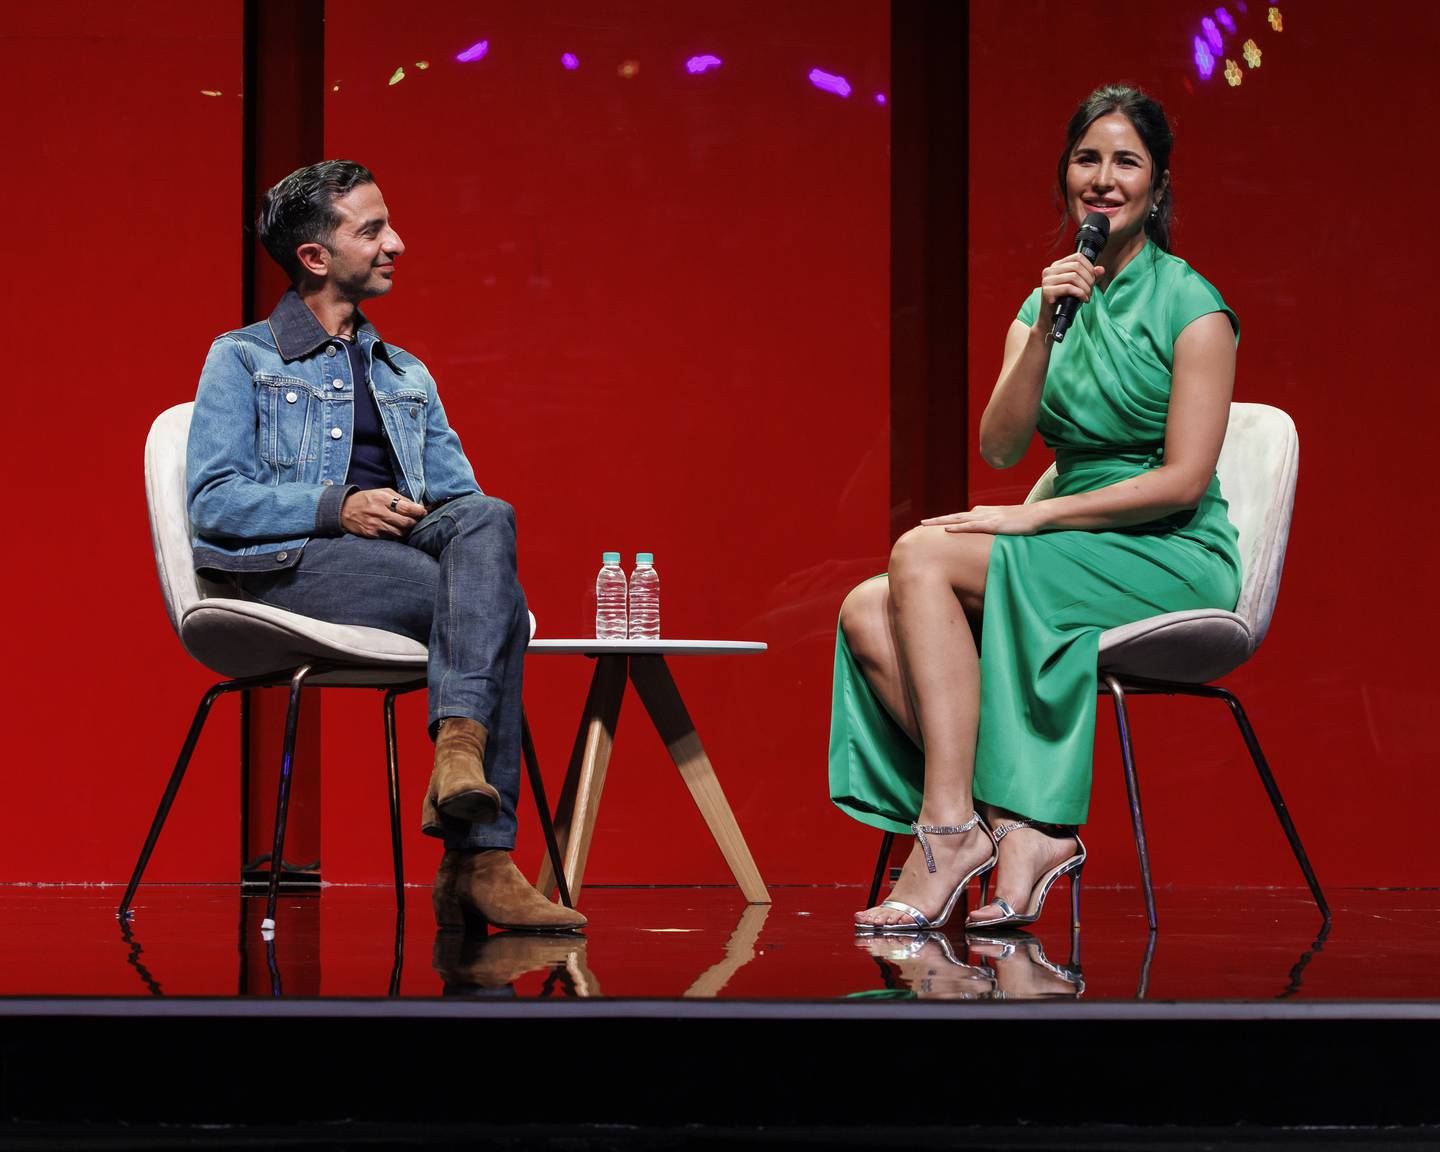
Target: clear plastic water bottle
[610, 598]
[644, 598]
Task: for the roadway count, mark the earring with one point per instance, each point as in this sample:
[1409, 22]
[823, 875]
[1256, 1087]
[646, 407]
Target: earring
[1154, 211]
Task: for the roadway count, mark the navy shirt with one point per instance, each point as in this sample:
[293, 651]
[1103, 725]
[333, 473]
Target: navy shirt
[370, 465]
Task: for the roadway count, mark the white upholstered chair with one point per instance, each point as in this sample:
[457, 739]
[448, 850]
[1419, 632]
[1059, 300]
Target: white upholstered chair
[1179, 653]
[257, 646]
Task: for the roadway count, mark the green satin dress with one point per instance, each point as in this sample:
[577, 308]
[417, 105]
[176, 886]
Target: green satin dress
[1049, 596]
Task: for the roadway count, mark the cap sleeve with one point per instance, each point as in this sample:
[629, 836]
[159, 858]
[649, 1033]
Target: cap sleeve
[1193, 297]
[1030, 309]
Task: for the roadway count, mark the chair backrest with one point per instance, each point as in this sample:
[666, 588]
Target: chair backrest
[169, 515]
[1258, 466]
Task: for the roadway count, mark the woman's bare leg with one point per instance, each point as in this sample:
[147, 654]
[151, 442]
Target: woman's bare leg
[928, 675]
[867, 622]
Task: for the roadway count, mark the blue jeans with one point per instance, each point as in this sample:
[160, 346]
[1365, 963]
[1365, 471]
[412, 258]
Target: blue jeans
[451, 585]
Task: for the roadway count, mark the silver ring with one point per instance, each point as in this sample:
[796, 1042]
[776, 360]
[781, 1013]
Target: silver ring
[395, 503]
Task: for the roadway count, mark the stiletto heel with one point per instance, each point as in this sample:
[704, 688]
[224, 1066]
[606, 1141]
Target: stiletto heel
[921, 922]
[1075, 898]
[1036, 902]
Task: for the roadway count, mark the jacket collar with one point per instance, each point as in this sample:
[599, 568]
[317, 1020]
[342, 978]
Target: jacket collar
[298, 333]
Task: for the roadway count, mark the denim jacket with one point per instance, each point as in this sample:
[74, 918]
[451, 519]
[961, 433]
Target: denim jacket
[270, 438]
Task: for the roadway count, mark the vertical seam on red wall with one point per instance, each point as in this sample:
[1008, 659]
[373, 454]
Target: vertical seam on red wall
[929, 423]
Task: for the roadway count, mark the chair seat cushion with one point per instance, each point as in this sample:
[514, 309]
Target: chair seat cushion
[246, 638]
[1191, 647]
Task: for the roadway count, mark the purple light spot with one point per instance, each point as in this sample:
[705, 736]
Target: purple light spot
[697, 64]
[879, 97]
[1242, 6]
[474, 52]
[1226, 20]
[569, 61]
[1204, 62]
[828, 83]
[1212, 34]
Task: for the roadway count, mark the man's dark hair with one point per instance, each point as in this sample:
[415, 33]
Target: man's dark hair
[300, 209]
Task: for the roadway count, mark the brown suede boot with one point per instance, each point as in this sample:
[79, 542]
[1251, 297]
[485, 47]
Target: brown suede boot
[458, 788]
[485, 887]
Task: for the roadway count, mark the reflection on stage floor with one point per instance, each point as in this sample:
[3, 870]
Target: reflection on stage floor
[695, 943]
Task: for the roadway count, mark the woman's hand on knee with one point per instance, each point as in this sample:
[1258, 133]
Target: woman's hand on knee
[994, 519]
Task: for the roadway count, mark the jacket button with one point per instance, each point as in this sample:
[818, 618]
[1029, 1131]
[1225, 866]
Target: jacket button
[281, 557]
[327, 483]
[335, 433]
[329, 350]
[339, 384]
[414, 412]
[290, 397]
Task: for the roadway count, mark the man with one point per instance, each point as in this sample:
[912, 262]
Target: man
[324, 478]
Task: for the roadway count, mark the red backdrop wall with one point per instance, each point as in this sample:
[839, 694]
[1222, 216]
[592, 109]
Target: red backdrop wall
[657, 308]
[122, 198]
[1299, 194]
[656, 305]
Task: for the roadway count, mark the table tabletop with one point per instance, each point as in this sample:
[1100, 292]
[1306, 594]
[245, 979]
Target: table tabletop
[590, 646]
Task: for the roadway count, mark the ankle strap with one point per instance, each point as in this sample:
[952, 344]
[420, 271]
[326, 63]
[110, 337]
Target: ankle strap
[923, 830]
[1056, 831]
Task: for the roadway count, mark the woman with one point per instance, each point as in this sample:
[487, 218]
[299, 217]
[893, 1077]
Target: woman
[1134, 402]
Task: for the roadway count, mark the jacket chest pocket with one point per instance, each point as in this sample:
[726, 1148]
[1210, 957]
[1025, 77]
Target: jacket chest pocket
[286, 419]
[404, 411]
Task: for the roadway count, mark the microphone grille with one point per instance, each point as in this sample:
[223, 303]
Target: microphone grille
[1097, 222]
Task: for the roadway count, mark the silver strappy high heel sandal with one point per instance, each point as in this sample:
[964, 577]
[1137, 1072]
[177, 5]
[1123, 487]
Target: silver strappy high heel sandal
[921, 922]
[1036, 902]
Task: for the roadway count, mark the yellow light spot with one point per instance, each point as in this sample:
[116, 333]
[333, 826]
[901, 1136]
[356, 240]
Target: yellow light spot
[211, 92]
[397, 75]
[1233, 75]
[1277, 20]
[335, 88]
[628, 70]
[1252, 53]
[422, 64]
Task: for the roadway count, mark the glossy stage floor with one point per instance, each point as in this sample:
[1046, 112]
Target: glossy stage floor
[685, 1006]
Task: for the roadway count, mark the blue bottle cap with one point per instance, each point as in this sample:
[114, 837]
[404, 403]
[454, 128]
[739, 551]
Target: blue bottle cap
[644, 558]
[609, 557]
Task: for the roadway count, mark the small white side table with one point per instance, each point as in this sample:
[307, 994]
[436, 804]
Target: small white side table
[641, 663]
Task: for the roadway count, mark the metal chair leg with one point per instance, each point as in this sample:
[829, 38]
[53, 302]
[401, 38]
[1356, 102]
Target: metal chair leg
[392, 768]
[1132, 784]
[282, 795]
[245, 700]
[1142, 985]
[547, 825]
[399, 964]
[277, 988]
[886, 843]
[173, 787]
[1276, 800]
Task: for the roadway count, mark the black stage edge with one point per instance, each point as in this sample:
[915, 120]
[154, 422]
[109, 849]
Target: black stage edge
[627, 1073]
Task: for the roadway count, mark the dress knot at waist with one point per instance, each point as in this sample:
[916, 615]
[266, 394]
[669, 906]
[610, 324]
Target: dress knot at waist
[1143, 455]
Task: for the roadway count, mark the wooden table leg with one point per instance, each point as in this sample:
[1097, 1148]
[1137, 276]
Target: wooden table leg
[585, 777]
[661, 698]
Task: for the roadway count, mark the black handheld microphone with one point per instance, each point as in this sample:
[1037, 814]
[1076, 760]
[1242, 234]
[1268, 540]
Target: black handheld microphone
[1090, 241]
